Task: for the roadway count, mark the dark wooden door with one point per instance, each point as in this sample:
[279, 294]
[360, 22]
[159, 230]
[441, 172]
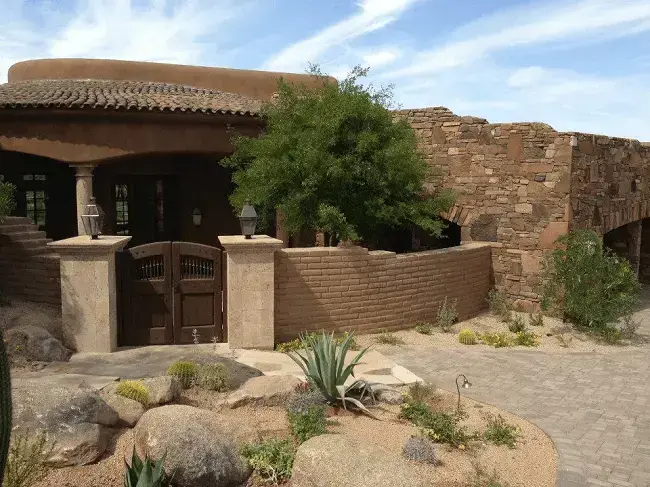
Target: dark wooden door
[170, 292]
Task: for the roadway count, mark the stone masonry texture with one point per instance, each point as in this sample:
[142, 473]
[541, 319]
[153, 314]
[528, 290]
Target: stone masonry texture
[522, 185]
[357, 290]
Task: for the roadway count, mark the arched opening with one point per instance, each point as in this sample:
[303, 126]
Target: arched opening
[627, 242]
[45, 192]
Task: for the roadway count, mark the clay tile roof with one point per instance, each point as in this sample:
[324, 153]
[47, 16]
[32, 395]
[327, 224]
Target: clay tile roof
[123, 95]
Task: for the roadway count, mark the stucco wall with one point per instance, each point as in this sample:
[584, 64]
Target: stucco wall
[354, 289]
[512, 187]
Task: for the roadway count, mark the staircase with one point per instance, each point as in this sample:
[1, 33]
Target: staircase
[29, 270]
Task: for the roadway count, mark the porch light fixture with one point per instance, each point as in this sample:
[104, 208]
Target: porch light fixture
[93, 219]
[248, 220]
[466, 385]
[197, 216]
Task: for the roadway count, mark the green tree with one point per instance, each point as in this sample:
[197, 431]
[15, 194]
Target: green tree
[587, 282]
[334, 158]
[6, 199]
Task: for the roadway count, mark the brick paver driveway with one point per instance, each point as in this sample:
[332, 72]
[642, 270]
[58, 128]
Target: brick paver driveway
[595, 407]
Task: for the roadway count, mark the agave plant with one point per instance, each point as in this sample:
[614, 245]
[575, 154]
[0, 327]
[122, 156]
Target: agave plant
[323, 362]
[145, 474]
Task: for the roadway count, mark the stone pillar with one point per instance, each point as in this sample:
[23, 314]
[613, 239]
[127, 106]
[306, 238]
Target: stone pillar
[250, 290]
[84, 189]
[88, 290]
[634, 230]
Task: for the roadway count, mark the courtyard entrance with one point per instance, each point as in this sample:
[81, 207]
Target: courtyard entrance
[170, 293]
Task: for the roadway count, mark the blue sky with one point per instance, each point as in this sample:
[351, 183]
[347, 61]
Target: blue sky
[578, 65]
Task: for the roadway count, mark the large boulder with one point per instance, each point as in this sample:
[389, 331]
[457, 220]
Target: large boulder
[128, 410]
[23, 313]
[266, 390]
[75, 419]
[200, 450]
[329, 460]
[35, 344]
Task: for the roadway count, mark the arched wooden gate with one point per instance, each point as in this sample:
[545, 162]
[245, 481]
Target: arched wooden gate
[170, 293]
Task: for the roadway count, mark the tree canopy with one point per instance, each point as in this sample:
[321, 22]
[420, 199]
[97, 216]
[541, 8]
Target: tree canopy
[334, 158]
[6, 199]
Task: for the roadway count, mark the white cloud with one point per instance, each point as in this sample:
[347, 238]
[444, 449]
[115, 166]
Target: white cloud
[559, 22]
[526, 76]
[372, 15]
[380, 57]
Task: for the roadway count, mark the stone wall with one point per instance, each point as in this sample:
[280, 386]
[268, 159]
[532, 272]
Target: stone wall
[512, 186]
[354, 289]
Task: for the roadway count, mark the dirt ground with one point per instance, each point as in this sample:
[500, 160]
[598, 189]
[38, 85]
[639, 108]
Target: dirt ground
[533, 463]
[554, 336]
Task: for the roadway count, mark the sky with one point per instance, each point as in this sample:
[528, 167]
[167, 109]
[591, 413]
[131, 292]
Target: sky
[578, 65]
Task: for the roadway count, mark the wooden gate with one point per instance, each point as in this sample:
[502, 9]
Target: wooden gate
[170, 292]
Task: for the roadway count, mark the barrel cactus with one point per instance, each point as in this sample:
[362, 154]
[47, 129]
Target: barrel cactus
[135, 390]
[185, 371]
[213, 377]
[467, 337]
[5, 405]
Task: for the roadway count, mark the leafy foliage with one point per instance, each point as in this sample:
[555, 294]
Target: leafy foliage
[133, 389]
[497, 340]
[536, 319]
[517, 324]
[386, 338]
[213, 377]
[297, 344]
[7, 202]
[437, 426]
[27, 460]
[467, 337]
[307, 424]
[335, 159]
[271, 460]
[587, 282]
[499, 306]
[526, 339]
[323, 363]
[499, 432]
[420, 449]
[424, 328]
[185, 371]
[145, 473]
[447, 315]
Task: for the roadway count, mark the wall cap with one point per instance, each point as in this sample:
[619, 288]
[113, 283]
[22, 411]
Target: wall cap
[84, 245]
[257, 244]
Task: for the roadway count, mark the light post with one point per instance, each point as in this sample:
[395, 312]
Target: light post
[466, 385]
[248, 220]
[93, 219]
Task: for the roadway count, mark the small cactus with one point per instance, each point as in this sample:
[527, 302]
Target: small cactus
[135, 390]
[185, 371]
[213, 377]
[467, 337]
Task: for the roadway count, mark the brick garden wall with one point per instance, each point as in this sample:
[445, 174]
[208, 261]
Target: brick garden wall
[512, 186]
[354, 289]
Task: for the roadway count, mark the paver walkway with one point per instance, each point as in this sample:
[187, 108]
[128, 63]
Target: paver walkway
[595, 407]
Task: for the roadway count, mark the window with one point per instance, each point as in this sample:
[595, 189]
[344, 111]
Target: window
[122, 209]
[36, 199]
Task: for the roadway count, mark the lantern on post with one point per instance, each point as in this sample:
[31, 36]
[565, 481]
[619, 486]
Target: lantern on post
[93, 219]
[248, 220]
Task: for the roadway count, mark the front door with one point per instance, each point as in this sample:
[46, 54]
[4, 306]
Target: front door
[170, 292]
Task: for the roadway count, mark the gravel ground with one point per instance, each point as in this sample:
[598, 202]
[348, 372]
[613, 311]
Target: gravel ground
[533, 463]
[550, 335]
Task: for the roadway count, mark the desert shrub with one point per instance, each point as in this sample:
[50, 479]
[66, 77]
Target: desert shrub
[185, 371]
[303, 398]
[272, 460]
[497, 340]
[133, 389]
[587, 282]
[307, 424]
[7, 201]
[27, 460]
[420, 449]
[296, 344]
[499, 432]
[424, 328]
[447, 315]
[290, 346]
[517, 324]
[498, 303]
[385, 338]
[482, 478]
[467, 337]
[629, 326]
[526, 339]
[535, 319]
[213, 377]
[145, 473]
[323, 363]
[414, 411]
[420, 393]
[611, 335]
[443, 428]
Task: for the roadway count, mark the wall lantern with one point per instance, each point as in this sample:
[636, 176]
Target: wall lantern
[248, 220]
[466, 385]
[93, 219]
[197, 216]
